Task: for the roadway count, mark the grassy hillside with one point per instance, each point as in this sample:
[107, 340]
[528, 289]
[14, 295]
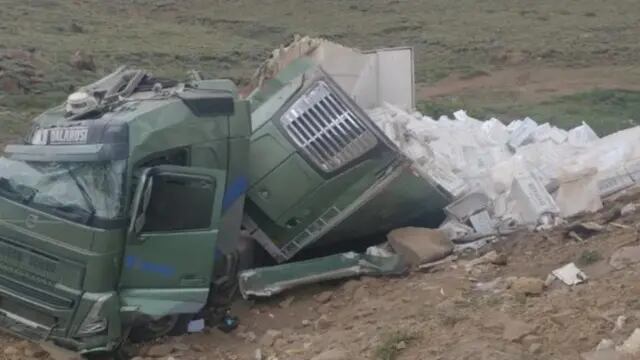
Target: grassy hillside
[228, 38]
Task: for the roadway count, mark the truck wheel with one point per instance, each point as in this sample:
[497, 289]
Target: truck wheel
[154, 329]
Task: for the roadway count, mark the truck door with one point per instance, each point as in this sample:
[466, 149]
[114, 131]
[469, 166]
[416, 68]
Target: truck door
[169, 255]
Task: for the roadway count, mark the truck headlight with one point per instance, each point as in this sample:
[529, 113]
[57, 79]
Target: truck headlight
[94, 322]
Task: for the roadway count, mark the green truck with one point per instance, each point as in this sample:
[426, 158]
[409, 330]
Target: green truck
[132, 206]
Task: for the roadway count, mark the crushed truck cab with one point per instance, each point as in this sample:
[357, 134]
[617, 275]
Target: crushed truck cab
[115, 209]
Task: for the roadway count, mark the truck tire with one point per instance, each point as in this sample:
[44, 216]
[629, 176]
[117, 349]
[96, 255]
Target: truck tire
[168, 325]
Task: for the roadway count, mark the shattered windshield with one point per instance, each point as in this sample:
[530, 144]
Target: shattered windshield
[79, 191]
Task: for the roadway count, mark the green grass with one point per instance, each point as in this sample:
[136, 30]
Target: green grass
[589, 257]
[390, 347]
[225, 38]
[606, 111]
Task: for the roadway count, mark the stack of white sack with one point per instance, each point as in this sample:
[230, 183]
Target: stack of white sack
[500, 177]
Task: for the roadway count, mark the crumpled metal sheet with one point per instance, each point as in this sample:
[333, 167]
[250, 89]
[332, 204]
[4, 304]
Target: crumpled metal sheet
[272, 280]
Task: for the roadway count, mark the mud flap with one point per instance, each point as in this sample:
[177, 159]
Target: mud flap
[268, 281]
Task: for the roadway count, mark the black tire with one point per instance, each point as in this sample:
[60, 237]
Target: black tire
[153, 329]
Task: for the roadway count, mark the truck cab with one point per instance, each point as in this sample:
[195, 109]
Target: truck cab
[119, 207]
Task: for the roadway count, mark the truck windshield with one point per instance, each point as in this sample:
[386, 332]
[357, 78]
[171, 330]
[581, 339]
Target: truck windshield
[79, 191]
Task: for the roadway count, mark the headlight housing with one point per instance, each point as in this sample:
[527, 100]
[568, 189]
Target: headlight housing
[95, 322]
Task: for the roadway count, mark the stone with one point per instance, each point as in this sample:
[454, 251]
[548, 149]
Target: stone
[198, 348]
[632, 344]
[549, 280]
[323, 323]
[492, 257]
[515, 330]
[527, 286]
[324, 297]
[269, 338]
[535, 348]
[624, 257]
[82, 61]
[160, 350]
[628, 209]
[420, 245]
[334, 354]
[605, 344]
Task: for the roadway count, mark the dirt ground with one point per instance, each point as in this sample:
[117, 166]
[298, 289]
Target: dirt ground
[457, 311]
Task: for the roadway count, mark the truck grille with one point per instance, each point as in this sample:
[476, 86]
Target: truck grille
[326, 129]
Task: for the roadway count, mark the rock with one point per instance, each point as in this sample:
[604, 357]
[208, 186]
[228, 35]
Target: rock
[549, 280]
[323, 323]
[335, 354]
[82, 61]
[420, 245]
[137, 358]
[401, 345]
[160, 350]
[624, 257]
[527, 286]
[269, 338]
[198, 348]
[11, 350]
[515, 330]
[620, 322]
[257, 355]
[628, 209]
[492, 257]
[324, 297]
[632, 344]
[535, 348]
[605, 344]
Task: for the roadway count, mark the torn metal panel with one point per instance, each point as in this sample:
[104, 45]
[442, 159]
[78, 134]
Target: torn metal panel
[268, 281]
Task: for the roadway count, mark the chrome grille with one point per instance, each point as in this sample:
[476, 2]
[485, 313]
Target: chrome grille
[326, 129]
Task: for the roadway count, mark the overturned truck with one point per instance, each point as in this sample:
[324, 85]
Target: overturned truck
[133, 205]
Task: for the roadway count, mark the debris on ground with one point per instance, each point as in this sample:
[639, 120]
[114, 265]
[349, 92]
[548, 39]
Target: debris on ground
[420, 245]
[271, 280]
[570, 274]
